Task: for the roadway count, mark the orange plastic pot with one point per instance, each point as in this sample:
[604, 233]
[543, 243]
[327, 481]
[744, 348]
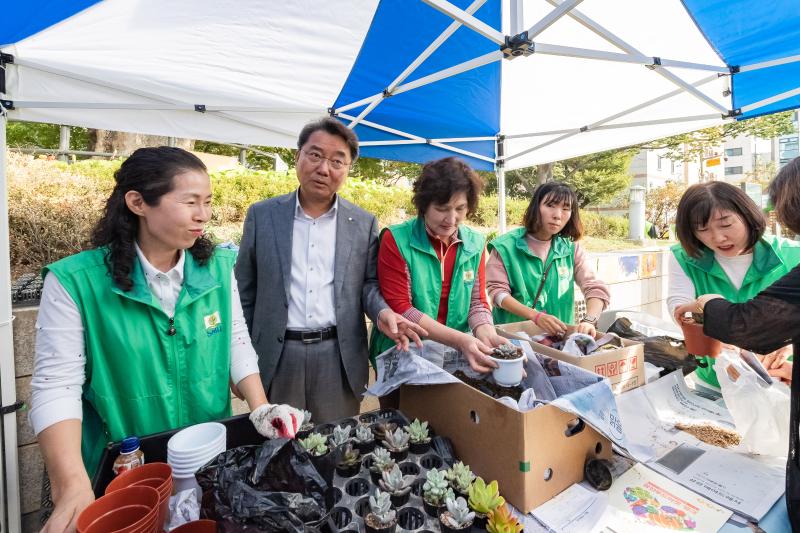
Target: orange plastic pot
[198, 526]
[697, 342]
[155, 475]
[127, 510]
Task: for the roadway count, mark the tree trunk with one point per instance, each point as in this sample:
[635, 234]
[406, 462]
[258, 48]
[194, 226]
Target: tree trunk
[544, 173]
[123, 143]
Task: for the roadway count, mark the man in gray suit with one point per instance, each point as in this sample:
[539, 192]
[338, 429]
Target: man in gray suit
[307, 273]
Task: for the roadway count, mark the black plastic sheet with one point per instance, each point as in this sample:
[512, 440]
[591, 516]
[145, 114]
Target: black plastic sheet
[666, 352]
[275, 487]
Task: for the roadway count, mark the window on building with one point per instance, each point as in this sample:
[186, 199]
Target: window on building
[659, 163]
[730, 171]
[733, 151]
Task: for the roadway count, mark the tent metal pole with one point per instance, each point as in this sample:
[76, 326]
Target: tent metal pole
[772, 63]
[419, 139]
[36, 104]
[602, 55]
[516, 16]
[593, 26]
[552, 17]
[455, 70]
[450, 30]
[501, 185]
[771, 100]
[8, 394]
[467, 20]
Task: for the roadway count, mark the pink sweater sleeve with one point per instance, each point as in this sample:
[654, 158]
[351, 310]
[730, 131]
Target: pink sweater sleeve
[496, 278]
[587, 280]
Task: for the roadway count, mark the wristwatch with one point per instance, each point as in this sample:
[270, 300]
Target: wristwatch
[590, 319]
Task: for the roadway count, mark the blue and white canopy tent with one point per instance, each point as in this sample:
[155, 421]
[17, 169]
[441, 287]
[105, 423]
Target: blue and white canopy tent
[504, 84]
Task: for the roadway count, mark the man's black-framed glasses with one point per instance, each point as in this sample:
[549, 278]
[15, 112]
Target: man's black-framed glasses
[316, 158]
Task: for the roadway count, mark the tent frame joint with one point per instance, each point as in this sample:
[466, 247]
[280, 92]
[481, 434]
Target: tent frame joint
[734, 69]
[332, 111]
[584, 129]
[733, 113]
[6, 105]
[655, 64]
[517, 45]
[200, 108]
[5, 59]
[387, 93]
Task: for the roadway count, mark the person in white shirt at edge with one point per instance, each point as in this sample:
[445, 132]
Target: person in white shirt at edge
[307, 271]
[723, 250]
[136, 336]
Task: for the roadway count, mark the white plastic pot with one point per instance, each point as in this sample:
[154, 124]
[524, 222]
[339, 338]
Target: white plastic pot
[509, 372]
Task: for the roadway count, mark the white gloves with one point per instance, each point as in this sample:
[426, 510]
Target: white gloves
[276, 420]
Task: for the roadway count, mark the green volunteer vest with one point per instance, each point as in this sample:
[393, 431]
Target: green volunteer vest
[426, 276]
[772, 259]
[139, 379]
[525, 272]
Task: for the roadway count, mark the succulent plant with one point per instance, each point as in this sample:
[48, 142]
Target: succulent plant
[363, 434]
[380, 507]
[418, 431]
[484, 498]
[306, 420]
[383, 460]
[458, 515]
[435, 489]
[460, 477]
[341, 435]
[502, 521]
[507, 351]
[380, 429]
[350, 456]
[394, 482]
[396, 441]
[315, 444]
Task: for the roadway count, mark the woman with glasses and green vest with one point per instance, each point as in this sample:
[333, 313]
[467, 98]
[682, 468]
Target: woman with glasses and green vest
[723, 250]
[142, 334]
[532, 270]
[431, 268]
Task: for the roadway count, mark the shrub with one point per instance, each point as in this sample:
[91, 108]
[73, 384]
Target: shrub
[604, 227]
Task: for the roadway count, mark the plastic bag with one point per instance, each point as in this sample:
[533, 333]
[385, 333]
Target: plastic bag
[760, 411]
[665, 352]
[273, 487]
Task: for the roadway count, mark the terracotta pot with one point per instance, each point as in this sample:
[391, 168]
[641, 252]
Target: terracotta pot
[129, 510]
[697, 343]
[198, 526]
[155, 475]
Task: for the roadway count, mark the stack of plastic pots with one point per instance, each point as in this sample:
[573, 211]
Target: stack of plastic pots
[155, 475]
[191, 448]
[131, 509]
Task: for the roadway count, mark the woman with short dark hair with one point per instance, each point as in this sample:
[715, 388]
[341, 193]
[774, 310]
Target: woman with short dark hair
[768, 322]
[723, 250]
[431, 268]
[532, 270]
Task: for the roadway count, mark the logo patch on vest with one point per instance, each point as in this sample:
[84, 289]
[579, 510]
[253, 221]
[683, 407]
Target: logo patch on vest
[563, 271]
[213, 323]
[469, 276]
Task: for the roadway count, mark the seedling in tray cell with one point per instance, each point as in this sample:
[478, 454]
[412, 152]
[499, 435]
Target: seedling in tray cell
[349, 463]
[382, 462]
[460, 477]
[315, 444]
[341, 435]
[483, 499]
[457, 517]
[364, 439]
[397, 485]
[419, 436]
[381, 429]
[502, 521]
[397, 444]
[434, 491]
[381, 517]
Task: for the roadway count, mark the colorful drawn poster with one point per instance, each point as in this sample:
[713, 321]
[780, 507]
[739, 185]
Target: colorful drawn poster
[642, 500]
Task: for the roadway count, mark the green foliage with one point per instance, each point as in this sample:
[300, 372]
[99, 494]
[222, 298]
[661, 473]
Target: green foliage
[380, 506]
[255, 160]
[418, 431]
[341, 435]
[602, 226]
[35, 135]
[695, 144]
[661, 205]
[385, 172]
[436, 488]
[394, 482]
[460, 477]
[502, 521]
[459, 514]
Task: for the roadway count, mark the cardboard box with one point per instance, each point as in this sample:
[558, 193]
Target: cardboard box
[533, 455]
[624, 367]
